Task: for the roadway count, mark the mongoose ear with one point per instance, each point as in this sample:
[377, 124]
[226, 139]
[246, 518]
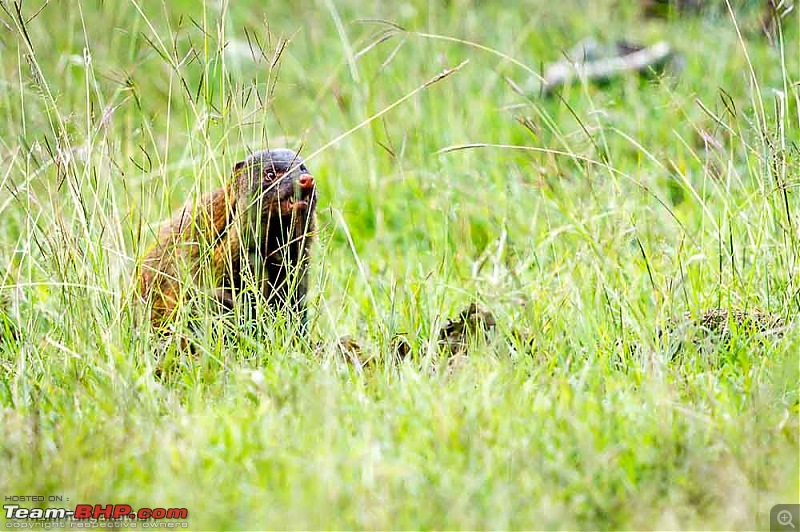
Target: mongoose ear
[238, 168]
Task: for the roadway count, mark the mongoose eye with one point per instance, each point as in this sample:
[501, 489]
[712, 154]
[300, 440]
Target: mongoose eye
[271, 176]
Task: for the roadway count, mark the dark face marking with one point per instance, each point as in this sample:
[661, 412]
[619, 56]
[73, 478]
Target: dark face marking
[277, 199]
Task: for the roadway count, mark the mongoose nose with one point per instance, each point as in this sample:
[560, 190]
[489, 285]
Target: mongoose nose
[306, 182]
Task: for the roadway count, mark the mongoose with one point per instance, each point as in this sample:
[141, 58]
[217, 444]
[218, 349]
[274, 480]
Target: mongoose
[455, 335]
[249, 238]
[716, 326]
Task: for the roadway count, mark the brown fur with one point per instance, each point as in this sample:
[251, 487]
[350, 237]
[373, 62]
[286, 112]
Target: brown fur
[255, 232]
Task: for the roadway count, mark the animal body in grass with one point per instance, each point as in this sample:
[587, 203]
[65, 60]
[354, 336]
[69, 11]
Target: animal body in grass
[246, 241]
[719, 324]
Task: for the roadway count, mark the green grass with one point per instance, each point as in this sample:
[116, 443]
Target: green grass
[608, 219]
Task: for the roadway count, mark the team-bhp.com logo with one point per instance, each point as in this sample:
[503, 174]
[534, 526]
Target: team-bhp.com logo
[95, 516]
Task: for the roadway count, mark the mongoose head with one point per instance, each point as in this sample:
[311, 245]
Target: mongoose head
[278, 180]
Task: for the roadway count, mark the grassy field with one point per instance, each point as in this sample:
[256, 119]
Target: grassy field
[584, 225]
